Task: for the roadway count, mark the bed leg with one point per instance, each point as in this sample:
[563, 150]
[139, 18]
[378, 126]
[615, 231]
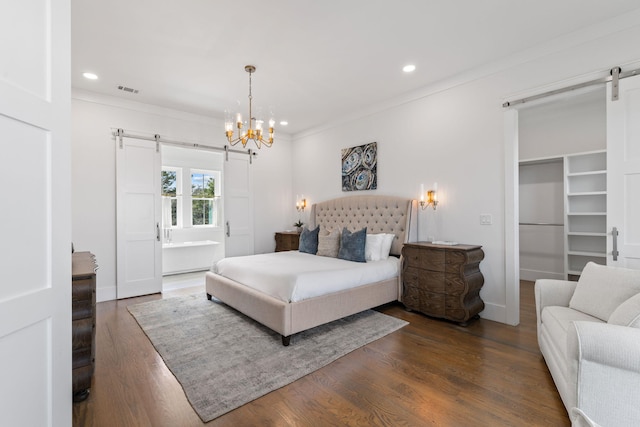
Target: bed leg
[209, 296]
[286, 340]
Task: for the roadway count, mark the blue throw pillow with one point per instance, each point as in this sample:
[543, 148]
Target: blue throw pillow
[352, 245]
[309, 240]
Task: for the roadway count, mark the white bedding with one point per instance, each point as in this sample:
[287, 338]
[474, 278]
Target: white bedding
[294, 276]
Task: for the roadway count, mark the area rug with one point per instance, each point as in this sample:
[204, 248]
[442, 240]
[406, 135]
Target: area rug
[224, 359]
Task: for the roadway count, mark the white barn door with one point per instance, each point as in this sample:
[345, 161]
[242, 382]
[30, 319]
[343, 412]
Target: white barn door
[139, 242]
[35, 266]
[623, 173]
[238, 205]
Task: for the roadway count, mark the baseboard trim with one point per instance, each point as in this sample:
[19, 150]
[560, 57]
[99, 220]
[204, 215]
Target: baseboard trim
[105, 294]
[495, 312]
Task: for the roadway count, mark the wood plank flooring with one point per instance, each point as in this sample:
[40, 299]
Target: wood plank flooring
[430, 372]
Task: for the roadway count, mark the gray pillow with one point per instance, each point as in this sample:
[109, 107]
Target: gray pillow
[309, 240]
[352, 245]
[329, 243]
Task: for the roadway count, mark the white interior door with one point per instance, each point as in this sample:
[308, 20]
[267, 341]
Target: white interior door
[139, 245]
[238, 205]
[623, 173]
[35, 266]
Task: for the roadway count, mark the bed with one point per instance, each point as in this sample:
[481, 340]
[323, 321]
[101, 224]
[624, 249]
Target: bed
[380, 214]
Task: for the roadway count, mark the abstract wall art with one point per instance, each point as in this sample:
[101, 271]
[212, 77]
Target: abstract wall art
[360, 167]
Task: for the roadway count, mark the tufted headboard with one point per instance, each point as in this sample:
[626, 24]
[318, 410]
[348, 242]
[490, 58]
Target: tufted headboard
[380, 214]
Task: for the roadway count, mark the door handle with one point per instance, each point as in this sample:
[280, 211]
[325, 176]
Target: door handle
[614, 252]
[158, 231]
[228, 229]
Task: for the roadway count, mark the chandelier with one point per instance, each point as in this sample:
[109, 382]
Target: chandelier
[243, 136]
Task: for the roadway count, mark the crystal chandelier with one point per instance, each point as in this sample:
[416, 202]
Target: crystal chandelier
[256, 134]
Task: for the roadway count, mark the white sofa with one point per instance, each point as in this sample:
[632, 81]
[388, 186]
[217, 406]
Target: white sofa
[589, 335]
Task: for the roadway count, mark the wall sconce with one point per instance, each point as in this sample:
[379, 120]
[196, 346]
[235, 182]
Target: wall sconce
[301, 203]
[432, 197]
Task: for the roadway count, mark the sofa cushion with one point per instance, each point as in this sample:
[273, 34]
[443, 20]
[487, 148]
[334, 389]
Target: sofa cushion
[627, 313]
[601, 289]
[557, 321]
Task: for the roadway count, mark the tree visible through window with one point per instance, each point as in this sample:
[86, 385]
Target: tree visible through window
[203, 204]
[169, 194]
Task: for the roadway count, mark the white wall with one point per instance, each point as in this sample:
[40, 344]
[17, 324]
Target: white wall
[571, 125]
[454, 134]
[93, 173]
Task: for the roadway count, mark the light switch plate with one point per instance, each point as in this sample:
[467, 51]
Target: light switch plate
[485, 219]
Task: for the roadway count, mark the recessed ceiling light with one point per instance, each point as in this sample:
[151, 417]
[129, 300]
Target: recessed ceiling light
[90, 76]
[284, 123]
[409, 68]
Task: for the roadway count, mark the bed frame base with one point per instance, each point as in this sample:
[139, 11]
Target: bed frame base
[290, 318]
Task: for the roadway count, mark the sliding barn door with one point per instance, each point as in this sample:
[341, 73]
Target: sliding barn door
[139, 245]
[623, 174]
[35, 264]
[238, 205]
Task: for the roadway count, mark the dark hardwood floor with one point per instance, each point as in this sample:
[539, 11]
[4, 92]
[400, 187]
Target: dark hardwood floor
[430, 372]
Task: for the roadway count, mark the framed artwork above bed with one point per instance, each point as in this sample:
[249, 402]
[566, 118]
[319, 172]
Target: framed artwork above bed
[360, 167]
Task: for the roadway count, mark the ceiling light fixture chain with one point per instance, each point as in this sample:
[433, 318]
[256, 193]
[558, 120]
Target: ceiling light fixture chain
[249, 134]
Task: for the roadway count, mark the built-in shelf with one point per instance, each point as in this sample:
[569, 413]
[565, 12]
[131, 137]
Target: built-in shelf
[585, 210]
[598, 172]
[587, 193]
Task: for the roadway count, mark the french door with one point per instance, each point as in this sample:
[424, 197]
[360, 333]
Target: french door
[139, 242]
[623, 174]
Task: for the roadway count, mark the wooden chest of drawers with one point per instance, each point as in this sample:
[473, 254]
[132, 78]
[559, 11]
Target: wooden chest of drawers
[287, 241]
[443, 281]
[83, 303]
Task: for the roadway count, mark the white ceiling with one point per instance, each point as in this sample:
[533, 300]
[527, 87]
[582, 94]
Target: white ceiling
[316, 60]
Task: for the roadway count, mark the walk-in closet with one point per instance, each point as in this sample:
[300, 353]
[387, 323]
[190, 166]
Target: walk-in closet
[562, 185]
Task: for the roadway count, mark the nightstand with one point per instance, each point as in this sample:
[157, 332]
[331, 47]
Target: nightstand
[443, 281]
[287, 241]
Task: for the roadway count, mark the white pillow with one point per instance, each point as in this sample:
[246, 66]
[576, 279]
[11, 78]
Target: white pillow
[373, 247]
[627, 313]
[601, 289]
[387, 241]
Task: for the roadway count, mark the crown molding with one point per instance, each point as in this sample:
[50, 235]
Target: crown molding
[125, 104]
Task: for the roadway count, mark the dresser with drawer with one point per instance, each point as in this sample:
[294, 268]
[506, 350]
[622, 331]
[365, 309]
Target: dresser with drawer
[83, 315]
[443, 281]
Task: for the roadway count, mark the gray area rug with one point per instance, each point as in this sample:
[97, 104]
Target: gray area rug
[224, 359]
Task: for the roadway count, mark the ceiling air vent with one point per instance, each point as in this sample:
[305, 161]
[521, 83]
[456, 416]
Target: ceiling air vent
[128, 89]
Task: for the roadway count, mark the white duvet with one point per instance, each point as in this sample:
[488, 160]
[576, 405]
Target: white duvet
[294, 276]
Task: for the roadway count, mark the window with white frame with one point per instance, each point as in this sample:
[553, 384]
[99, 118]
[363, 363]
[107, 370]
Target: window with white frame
[204, 198]
[171, 178]
[190, 197]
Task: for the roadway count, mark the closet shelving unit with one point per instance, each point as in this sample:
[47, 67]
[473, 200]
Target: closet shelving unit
[585, 176]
